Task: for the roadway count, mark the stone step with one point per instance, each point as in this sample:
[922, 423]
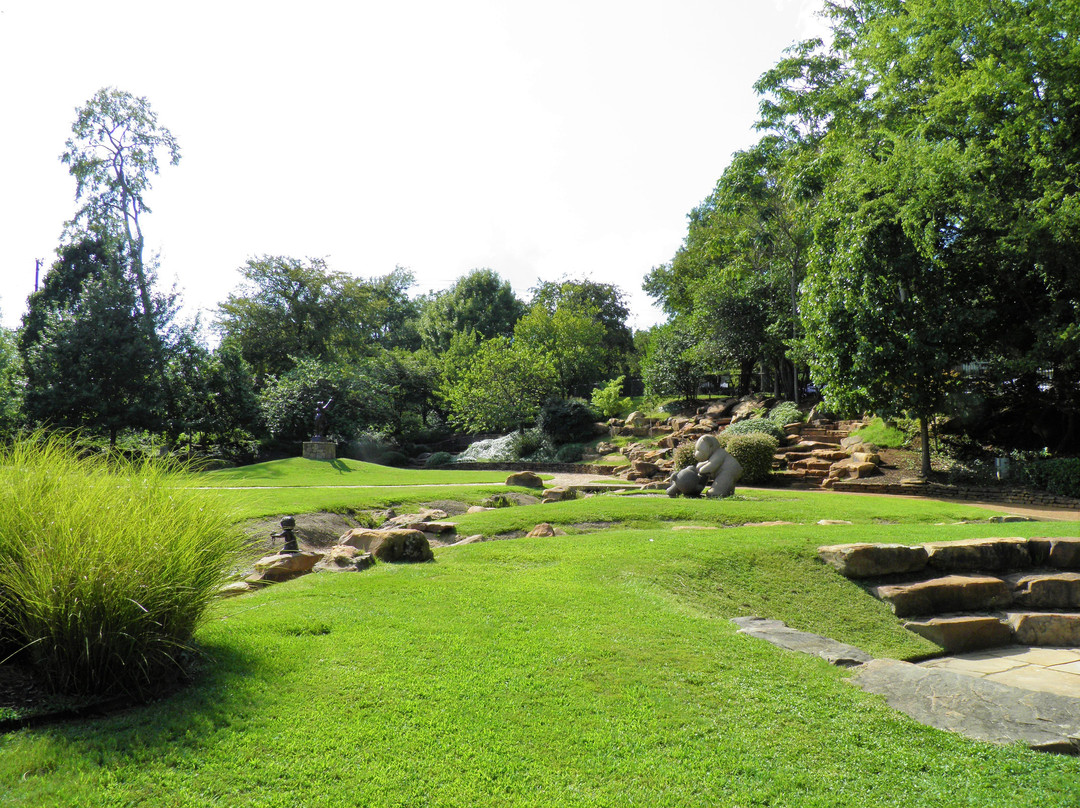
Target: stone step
[983, 555]
[1045, 628]
[812, 464]
[951, 593]
[964, 632]
[1045, 590]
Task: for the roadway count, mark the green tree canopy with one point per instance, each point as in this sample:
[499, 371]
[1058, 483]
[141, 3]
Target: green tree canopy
[479, 301]
[573, 338]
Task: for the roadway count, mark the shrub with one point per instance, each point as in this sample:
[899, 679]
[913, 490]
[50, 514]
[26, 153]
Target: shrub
[784, 413]
[609, 401]
[107, 566]
[499, 501]
[755, 426]
[1058, 475]
[566, 420]
[570, 453]
[684, 455]
[754, 451]
[392, 458]
[438, 459]
[527, 443]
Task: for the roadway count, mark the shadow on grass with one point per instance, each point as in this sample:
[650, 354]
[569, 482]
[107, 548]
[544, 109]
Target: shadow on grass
[206, 696]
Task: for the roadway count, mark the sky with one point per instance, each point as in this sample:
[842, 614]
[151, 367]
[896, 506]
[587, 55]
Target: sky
[542, 140]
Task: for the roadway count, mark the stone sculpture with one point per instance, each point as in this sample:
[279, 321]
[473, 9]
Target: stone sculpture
[686, 481]
[714, 461]
[320, 419]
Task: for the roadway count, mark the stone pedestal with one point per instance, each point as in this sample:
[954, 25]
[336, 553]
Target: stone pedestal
[320, 450]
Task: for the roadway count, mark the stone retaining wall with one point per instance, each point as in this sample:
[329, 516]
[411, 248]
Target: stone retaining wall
[539, 468]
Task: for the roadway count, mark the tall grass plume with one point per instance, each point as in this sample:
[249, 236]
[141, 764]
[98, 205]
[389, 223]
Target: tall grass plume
[107, 566]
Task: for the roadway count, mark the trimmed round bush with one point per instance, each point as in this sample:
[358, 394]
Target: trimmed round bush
[567, 420]
[684, 455]
[754, 452]
[396, 459]
[755, 426]
[570, 453]
[527, 443]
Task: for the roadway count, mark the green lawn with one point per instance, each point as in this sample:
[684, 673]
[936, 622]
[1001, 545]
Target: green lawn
[300, 472]
[593, 669]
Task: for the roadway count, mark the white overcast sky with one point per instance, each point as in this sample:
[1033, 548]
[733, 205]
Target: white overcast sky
[538, 139]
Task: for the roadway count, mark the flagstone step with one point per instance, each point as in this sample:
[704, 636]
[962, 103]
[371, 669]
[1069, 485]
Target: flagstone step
[951, 593]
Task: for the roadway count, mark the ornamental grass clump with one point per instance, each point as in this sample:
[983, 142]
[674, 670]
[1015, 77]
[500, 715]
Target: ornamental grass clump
[107, 566]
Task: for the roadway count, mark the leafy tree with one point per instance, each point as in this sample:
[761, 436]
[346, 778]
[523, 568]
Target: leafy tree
[289, 309]
[573, 338]
[479, 301]
[12, 384]
[605, 301]
[948, 136]
[113, 154]
[288, 401]
[675, 363]
[92, 365]
[501, 387]
[608, 399]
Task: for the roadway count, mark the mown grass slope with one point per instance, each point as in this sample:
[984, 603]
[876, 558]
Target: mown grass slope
[587, 669]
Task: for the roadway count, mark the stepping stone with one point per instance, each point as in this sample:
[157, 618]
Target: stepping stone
[1046, 590]
[976, 708]
[775, 632]
[1045, 628]
[952, 593]
[1063, 553]
[871, 560]
[967, 633]
[984, 555]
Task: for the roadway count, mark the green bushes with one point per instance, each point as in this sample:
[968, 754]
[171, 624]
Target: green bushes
[106, 566]
[684, 455]
[754, 451]
[438, 459]
[570, 453]
[1058, 475]
[527, 443]
[754, 426]
[784, 413]
[609, 401]
[566, 420]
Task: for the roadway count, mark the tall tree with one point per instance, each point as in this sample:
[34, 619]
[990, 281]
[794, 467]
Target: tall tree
[573, 338]
[288, 309]
[605, 301]
[113, 154]
[479, 301]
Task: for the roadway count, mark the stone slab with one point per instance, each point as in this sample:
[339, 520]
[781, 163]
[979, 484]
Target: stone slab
[966, 633]
[976, 708]
[775, 632]
[951, 593]
[1045, 628]
[873, 560]
[1062, 553]
[1046, 590]
[983, 555]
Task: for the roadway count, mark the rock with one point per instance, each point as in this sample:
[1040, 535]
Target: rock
[636, 419]
[775, 632]
[544, 530]
[833, 522]
[873, 560]
[1049, 590]
[557, 494]
[1061, 553]
[953, 593]
[866, 457]
[370, 540]
[525, 479]
[408, 520]
[975, 708]
[1045, 628]
[478, 509]
[286, 566]
[404, 545]
[434, 527]
[959, 634]
[645, 468]
[235, 588]
[343, 557]
[474, 539]
[985, 555]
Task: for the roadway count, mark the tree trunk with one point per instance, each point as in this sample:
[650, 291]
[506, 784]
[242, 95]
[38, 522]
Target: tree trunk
[924, 439]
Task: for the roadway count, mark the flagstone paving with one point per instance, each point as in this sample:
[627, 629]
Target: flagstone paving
[1050, 670]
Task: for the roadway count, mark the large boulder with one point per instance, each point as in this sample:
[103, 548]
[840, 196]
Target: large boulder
[285, 566]
[873, 560]
[525, 479]
[343, 557]
[371, 540]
